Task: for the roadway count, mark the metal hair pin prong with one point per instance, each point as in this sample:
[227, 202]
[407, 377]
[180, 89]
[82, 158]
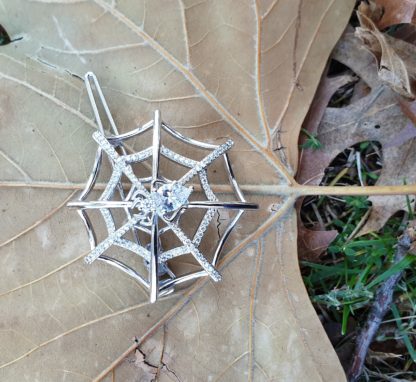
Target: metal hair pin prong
[152, 205]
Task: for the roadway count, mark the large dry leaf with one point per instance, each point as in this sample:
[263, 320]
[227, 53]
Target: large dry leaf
[215, 69]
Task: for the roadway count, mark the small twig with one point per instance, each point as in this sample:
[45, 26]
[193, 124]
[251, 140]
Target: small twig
[318, 215]
[384, 377]
[359, 169]
[381, 305]
[358, 227]
[402, 318]
[345, 213]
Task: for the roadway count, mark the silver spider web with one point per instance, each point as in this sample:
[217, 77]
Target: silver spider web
[153, 200]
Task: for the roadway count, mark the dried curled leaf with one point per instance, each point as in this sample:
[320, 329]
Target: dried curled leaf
[216, 70]
[395, 58]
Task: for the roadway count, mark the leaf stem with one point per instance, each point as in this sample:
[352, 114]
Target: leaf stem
[304, 190]
[295, 189]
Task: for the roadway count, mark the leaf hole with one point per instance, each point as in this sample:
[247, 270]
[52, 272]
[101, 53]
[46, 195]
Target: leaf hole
[4, 36]
[350, 92]
[359, 165]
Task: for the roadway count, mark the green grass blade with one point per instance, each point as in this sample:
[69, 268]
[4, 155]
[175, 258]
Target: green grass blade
[402, 264]
[406, 339]
[345, 314]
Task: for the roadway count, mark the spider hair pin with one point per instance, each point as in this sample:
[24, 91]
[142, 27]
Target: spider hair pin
[153, 206]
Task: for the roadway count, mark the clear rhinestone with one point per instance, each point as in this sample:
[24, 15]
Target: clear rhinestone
[170, 197]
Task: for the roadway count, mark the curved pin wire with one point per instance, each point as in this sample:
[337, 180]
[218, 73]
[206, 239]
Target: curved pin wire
[232, 224]
[154, 243]
[89, 76]
[125, 268]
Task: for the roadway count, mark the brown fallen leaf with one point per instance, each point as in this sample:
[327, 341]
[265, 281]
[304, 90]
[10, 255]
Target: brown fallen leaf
[326, 89]
[395, 58]
[377, 116]
[406, 32]
[215, 69]
[312, 243]
[312, 163]
[395, 12]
